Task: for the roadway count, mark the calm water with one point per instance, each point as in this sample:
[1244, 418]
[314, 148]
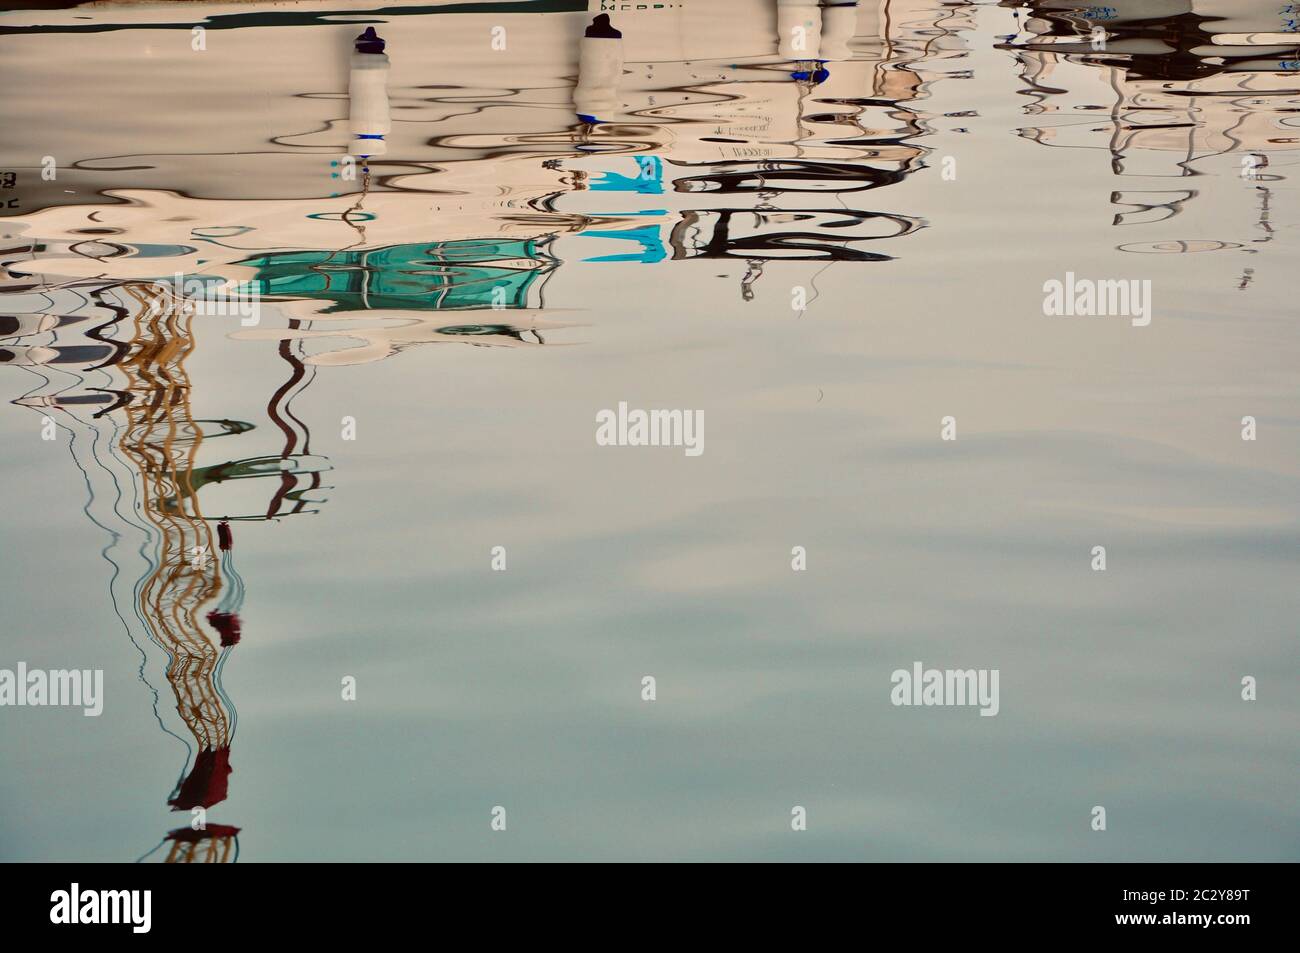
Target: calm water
[826, 250]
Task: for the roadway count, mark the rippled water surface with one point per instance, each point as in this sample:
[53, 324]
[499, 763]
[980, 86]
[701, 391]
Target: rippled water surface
[825, 228]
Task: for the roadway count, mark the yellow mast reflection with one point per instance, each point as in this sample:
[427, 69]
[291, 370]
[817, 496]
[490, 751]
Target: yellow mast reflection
[161, 440]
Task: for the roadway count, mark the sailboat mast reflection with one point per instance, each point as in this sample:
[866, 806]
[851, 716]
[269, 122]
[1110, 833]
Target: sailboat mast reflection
[1191, 81]
[161, 439]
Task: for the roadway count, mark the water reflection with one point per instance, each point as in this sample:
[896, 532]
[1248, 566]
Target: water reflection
[218, 844]
[672, 154]
[477, 221]
[391, 198]
[1192, 81]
